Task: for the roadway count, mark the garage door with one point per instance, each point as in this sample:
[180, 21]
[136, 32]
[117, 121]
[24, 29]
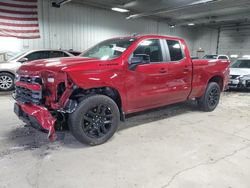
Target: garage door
[234, 40]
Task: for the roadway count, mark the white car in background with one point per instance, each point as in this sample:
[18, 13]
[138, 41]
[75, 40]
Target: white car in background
[8, 69]
[214, 56]
[240, 74]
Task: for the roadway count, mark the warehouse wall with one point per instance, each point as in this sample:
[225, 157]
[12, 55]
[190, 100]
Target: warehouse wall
[79, 27]
[235, 40]
[204, 41]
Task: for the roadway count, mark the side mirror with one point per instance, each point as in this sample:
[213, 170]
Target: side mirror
[23, 60]
[138, 59]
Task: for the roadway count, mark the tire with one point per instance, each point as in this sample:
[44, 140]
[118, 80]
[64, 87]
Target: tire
[6, 82]
[209, 101]
[95, 120]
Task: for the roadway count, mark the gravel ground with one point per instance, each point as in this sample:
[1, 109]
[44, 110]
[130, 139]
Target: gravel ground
[176, 146]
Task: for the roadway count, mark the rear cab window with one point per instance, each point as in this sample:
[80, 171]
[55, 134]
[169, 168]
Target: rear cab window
[175, 50]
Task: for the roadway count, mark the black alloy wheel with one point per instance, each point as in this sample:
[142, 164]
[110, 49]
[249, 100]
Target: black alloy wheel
[95, 120]
[209, 101]
[213, 97]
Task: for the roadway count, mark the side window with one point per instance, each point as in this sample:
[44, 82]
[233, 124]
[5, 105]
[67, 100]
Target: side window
[175, 50]
[152, 48]
[37, 55]
[54, 54]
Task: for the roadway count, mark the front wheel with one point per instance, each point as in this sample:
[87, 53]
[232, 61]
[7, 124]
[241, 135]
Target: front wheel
[95, 120]
[209, 101]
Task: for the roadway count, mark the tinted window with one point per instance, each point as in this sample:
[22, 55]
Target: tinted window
[37, 55]
[241, 64]
[54, 54]
[152, 48]
[175, 50]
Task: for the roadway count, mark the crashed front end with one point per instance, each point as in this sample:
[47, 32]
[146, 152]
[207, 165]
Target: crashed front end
[239, 82]
[40, 97]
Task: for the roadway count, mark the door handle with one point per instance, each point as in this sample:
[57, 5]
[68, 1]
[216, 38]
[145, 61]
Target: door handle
[162, 70]
[186, 69]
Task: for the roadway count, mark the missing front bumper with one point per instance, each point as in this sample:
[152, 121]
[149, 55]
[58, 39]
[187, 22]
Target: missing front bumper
[38, 117]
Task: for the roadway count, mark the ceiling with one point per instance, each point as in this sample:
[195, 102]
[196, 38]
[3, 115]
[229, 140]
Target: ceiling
[182, 12]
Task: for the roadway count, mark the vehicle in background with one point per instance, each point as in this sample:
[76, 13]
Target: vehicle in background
[195, 57]
[5, 56]
[8, 68]
[73, 52]
[214, 56]
[93, 92]
[240, 74]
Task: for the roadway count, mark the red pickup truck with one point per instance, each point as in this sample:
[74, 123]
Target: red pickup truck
[90, 94]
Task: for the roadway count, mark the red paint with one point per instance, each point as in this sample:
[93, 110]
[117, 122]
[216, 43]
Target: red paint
[17, 5]
[42, 115]
[18, 25]
[146, 87]
[34, 87]
[18, 18]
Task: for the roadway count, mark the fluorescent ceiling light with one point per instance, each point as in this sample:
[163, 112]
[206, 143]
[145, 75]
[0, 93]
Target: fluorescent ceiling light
[246, 56]
[202, 1]
[234, 56]
[146, 43]
[119, 9]
[191, 24]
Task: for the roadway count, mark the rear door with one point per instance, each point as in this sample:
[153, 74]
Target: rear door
[146, 85]
[179, 68]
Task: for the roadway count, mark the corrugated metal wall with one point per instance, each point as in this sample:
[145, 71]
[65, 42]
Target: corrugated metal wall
[204, 39]
[75, 26]
[235, 40]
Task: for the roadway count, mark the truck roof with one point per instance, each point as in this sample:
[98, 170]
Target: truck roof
[150, 36]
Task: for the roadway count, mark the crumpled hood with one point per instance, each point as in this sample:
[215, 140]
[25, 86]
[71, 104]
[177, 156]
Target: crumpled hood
[239, 71]
[55, 64]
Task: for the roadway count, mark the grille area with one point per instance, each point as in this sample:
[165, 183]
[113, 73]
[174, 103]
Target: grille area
[25, 95]
[31, 80]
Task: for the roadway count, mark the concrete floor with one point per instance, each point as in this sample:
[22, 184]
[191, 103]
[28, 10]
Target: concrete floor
[177, 146]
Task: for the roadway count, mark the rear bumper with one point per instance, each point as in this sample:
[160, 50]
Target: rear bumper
[36, 116]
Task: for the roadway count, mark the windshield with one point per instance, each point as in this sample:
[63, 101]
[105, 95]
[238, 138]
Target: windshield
[210, 57]
[241, 64]
[16, 56]
[109, 49]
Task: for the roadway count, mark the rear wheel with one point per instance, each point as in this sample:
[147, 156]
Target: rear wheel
[6, 82]
[209, 101]
[95, 120]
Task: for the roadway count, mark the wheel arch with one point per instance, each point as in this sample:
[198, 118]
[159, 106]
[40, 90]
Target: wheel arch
[110, 92]
[218, 79]
[9, 72]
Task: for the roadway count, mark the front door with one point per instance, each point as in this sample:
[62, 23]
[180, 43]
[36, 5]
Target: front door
[146, 84]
